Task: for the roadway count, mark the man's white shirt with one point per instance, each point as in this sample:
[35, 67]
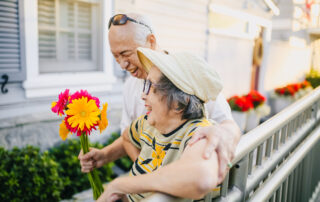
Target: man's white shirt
[133, 105]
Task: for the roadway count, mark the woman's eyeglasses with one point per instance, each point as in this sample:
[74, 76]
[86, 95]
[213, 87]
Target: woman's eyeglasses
[121, 19]
[146, 86]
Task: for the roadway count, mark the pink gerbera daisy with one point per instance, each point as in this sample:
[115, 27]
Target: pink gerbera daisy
[84, 93]
[60, 106]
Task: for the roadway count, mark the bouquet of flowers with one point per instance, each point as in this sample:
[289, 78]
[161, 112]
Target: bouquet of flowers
[82, 115]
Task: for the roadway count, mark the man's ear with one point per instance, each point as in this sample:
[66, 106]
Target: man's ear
[151, 40]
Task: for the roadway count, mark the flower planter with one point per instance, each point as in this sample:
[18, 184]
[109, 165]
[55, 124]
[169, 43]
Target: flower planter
[241, 119]
[253, 120]
[279, 103]
[286, 95]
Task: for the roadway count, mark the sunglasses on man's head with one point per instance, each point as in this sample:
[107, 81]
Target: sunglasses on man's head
[121, 19]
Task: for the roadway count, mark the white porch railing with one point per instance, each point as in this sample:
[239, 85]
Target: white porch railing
[277, 161]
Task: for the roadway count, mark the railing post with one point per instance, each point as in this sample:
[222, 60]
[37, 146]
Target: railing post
[225, 186]
[314, 110]
[315, 165]
[239, 176]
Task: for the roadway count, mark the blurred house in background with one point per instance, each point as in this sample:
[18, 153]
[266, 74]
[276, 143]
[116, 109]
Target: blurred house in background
[47, 46]
[295, 44]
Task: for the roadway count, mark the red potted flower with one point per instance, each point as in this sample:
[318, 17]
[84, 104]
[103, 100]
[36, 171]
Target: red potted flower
[286, 95]
[260, 109]
[240, 105]
[256, 98]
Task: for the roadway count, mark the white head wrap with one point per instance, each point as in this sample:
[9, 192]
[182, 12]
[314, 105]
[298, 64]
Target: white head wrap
[189, 73]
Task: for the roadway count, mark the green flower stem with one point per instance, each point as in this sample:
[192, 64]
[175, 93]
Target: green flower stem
[93, 176]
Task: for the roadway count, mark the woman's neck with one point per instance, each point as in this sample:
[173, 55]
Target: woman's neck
[169, 125]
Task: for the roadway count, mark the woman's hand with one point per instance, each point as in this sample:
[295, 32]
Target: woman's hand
[112, 193]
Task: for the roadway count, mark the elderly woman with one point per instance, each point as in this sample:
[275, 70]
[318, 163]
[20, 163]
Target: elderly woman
[174, 92]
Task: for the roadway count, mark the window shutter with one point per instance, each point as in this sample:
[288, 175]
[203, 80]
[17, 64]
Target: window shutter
[10, 41]
[68, 33]
[84, 36]
[47, 39]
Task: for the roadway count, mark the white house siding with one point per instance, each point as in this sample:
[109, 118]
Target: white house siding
[253, 7]
[282, 24]
[289, 56]
[285, 64]
[183, 25]
[180, 25]
[232, 58]
[231, 52]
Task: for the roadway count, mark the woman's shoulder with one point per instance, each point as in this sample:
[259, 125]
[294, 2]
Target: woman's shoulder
[139, 122]
[193, 124]
[200, 122]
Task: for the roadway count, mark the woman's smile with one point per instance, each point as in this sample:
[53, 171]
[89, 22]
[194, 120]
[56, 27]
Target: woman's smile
[149, 109]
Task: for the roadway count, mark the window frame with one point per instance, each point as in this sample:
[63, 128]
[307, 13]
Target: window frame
[50, 84]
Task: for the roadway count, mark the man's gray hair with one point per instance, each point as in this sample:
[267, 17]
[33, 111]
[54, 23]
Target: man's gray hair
[141, 31]
[192, 107]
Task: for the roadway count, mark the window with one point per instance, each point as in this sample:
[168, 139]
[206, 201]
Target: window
[68, 33]
[66, 46]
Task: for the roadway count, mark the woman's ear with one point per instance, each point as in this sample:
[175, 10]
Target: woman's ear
[151, 39]
[177, 108]
[180, 109]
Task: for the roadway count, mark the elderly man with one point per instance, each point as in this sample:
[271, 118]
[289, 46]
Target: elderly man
[126, 34]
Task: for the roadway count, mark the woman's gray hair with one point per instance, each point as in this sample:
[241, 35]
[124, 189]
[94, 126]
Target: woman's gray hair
[141, 32]
[192, 107]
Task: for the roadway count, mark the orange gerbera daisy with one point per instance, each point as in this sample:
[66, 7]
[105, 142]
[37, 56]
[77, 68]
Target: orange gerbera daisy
[63, 131]
[103, 123]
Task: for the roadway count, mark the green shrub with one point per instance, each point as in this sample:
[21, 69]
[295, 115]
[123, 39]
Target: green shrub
[124, 163]
[66, 154]
[28, 175]
[314, 78]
